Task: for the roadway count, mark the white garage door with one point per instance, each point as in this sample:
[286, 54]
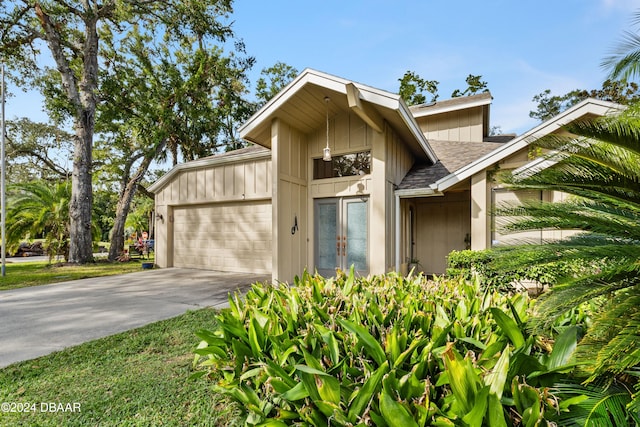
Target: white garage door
[227, 237]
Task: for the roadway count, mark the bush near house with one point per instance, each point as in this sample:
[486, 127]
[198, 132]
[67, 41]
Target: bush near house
[391, 351]
[494, 273]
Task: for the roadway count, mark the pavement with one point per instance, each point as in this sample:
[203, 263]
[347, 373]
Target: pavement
[39, 320]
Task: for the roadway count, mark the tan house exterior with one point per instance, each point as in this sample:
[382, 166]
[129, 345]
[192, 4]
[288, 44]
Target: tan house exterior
[404, 183]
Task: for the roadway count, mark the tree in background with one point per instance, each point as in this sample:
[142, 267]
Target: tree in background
[475, 85]
[413, 88]
[165, 101]
[38, 209]
[76, 36]
[618, 91]
[37, 151]
[73, 35]
[273, 80]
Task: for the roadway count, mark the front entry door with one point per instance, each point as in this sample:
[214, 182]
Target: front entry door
[342, 235]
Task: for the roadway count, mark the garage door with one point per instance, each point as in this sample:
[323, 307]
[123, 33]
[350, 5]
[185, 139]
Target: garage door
[227, 237]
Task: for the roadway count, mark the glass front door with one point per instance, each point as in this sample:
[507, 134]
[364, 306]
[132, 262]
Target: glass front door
[342, 235]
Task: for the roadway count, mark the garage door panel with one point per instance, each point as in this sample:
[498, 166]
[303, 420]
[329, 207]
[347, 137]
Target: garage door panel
[227, 237]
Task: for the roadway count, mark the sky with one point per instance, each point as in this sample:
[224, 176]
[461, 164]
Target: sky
[520, 48]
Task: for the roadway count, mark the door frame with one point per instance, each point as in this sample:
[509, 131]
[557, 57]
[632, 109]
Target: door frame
[341, 203]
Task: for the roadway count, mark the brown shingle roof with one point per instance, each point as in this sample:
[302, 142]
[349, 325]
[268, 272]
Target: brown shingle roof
[452, 156]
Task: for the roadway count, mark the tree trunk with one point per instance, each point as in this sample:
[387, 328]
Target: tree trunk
[117, 231]
[81, 204]
[81, 94]
[124, 203]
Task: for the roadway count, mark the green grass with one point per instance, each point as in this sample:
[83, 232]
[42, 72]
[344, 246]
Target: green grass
[23, 274]
[136, 378]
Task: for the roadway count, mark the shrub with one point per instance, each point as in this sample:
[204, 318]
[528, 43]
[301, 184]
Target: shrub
[385, 351]
[496, 274]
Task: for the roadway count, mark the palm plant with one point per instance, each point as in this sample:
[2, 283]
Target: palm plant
[37, 209]
[597, 164]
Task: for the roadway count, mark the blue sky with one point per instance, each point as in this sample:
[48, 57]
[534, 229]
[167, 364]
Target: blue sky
[519, 47]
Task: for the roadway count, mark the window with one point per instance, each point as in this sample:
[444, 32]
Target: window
[352, 164]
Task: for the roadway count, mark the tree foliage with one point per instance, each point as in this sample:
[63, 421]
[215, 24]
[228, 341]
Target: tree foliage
[624, 60]
[618, 91]
[597, 164]
[475, 85]
[413, 88]
[273, 80]
[39, 210]
[99, 50]
[37, 151]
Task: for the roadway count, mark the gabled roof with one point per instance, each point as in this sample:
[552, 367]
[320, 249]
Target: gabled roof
[302, 104]
[587, 108]
[251, 152]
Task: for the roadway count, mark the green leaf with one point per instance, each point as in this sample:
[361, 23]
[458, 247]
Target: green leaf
[296, 393]
[367, 340]
[348, 284]
[394, 413]
[563, 348]
[328, 389]
[508, 327]
[463, 379]
[498, 376]
[474, 417]
[256, 337]
[496, 412]
[360, 398]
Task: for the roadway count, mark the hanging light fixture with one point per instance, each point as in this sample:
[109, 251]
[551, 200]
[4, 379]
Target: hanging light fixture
[326, 153]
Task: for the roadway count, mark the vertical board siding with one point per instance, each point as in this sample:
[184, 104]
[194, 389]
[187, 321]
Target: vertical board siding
[461, 126]
[290, 200]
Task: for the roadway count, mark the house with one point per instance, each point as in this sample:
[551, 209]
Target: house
[343, 174]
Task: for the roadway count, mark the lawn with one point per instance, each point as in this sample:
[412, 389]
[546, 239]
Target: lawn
[136, 378]
[23, 274]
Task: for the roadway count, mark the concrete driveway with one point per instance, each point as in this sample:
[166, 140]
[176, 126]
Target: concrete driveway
[40, 320]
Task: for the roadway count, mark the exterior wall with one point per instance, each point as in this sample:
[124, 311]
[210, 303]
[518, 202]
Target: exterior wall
[463, 125]
[398, 161]
[488, 194]
[290, 183]
[390, 161]
[442, 225]
[222, 183]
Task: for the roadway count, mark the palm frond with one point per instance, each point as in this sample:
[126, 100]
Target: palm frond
[601, 406]
[573, 292]
[624, 61]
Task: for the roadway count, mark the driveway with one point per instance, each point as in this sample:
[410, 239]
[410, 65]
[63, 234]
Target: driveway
[40, 320]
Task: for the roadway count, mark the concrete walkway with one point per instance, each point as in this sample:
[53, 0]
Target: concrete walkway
[39, 320]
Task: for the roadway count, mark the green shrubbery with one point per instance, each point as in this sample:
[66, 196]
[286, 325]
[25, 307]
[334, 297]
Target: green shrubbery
[497, 272]
[386, 350]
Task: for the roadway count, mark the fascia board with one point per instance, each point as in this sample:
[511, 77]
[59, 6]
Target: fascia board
[395, 103]
[273, 104]
[417, 192]
[430, 111]
[202, 163]
[592, 106]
